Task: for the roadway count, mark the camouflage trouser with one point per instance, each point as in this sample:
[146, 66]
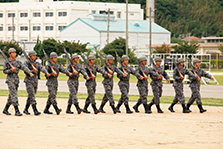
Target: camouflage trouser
[179, 95]
[13, 97]
[73, 88]
[52, 89]
[91, 89]
[31, 88]
[143, 92]
[124, 88]
[195, 95]
[157, 93]
[108, 94]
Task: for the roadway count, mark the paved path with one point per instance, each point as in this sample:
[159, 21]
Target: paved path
[212, 91]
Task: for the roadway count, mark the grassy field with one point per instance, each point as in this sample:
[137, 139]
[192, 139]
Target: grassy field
[132, 98]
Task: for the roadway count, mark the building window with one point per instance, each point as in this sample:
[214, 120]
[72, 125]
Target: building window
[1, 28]
[118, 14]
[49, 14]
[60, 14]
[23, 14]
[1, 15]
[131, 14]
[10, 28]
[61, 27]
[36, 14]
[93, 11]
[49, 28]
[11, 15]
[23, 28]
[36, 28]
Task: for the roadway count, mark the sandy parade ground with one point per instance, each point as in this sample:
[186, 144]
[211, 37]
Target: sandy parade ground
[137, 130]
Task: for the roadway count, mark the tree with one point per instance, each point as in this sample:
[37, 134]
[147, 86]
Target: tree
[220, 48]
[164, 48]
[38, 47]
[5, 46]
[186, 48]
[176, 40]
[75, 47]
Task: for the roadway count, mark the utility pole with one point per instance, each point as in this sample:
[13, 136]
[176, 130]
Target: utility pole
[108, 25]
[12, 27]
[150, 34]
[126, 41]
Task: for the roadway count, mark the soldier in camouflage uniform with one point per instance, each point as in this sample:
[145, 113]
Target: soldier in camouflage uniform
[178, 85]
[73, 83]
[195, 86]
[157, 85]
[91, 83]
[142, 84]
[12, 80]
[124, 84]
[52, 83]
[32, 82]
[108, 84]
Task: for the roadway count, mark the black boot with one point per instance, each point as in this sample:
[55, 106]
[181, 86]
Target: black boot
[117, 107]
[85, 108]
[114, 109]
[68, 111]
[188, 107]
[26, 109]
[79, 110]
[96, 111]
[135, 107]
[185, 109]
[46, 111]
[128, 109]
[149, 107]
[5, 111]
[146, 108]
[36, 112]
[101, 107]
[171, 107]
[201, 108]
[158, 109]
[17, 112]
[57, 109]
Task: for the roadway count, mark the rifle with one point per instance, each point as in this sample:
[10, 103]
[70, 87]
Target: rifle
[87, 64]
[193, 68]
[104, 63]
[49, 62]
[70, 61]
[177, 66]
[6, 58]
[120, 62]
[140, 67]
[26, 56]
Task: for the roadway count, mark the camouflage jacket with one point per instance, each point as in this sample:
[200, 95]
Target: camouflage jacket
[113, 68]
[200, 73]
[12, 76]
[129, 70]
[159, 71]
[79, 69]
[94, 70]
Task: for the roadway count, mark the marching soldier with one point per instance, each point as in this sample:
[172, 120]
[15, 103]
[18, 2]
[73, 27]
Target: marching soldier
[178, 74]
[92, 70]
[52, 83]
[142, 84]
[195, 86]
[124, 84]
[157, 84]
[73, 83]
[12, 69]
[108, 83]
[32, 82]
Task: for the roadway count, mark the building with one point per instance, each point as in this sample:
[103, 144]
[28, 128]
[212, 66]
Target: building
[192, 38]
[94, 30]
[213, 40]
[45, 18]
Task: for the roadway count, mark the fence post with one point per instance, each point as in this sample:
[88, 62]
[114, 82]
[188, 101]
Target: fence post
[217, 62]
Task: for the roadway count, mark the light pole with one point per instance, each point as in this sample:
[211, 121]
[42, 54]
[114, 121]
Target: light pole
[108, 25]
[150, 33]
[126, 41]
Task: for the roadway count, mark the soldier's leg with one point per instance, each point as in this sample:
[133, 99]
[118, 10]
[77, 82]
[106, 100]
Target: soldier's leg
[104, 99]
[87, 101]
[182, 99]
[48, 104]
[8, 103]
[14, 97]
[139, 102]
[175, 100]
[110, 97]
[126, 99]
[191, 100]
[155, 95]
[33, 101]
[75, 101]
[31, 94]
[53, 99]
[157, 101]
[92, 100]
[71, 96]
[121, 100]
[198, 100]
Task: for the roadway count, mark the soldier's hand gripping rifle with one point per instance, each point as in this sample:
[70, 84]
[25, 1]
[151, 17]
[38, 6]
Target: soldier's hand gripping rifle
[26, 56]
[193, 68]
[120, 62]
[70, 61]
[88, 66]
[144, 75]
[49, 62]
[105, 64]
[6, 58]
[177, 66]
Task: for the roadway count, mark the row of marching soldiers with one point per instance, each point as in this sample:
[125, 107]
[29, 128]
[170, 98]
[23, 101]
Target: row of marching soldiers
[31, 68]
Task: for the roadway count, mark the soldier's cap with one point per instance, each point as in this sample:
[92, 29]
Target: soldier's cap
[180, 60]
[90, 57]
[109, 57]
[196, 60]
[53, 54]
[74, 56]
[125, 57]
[11, 50]
[31, 53]
[157, 59]
[143, 58]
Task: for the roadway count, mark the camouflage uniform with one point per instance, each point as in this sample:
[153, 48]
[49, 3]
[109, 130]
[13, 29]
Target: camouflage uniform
[195, 88]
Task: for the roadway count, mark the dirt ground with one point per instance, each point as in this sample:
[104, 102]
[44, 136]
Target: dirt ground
[137, 130]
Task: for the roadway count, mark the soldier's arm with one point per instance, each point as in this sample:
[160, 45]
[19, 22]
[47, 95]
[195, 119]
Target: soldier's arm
[41, 68]
[83, 72]
[165, 75]
[24, 68]
[102, 71]
[6, 68]
[63, 70]
[118, 71]
[206, 75]
[69, 68]
[191, 75]
[175, 74]
[137, 74]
